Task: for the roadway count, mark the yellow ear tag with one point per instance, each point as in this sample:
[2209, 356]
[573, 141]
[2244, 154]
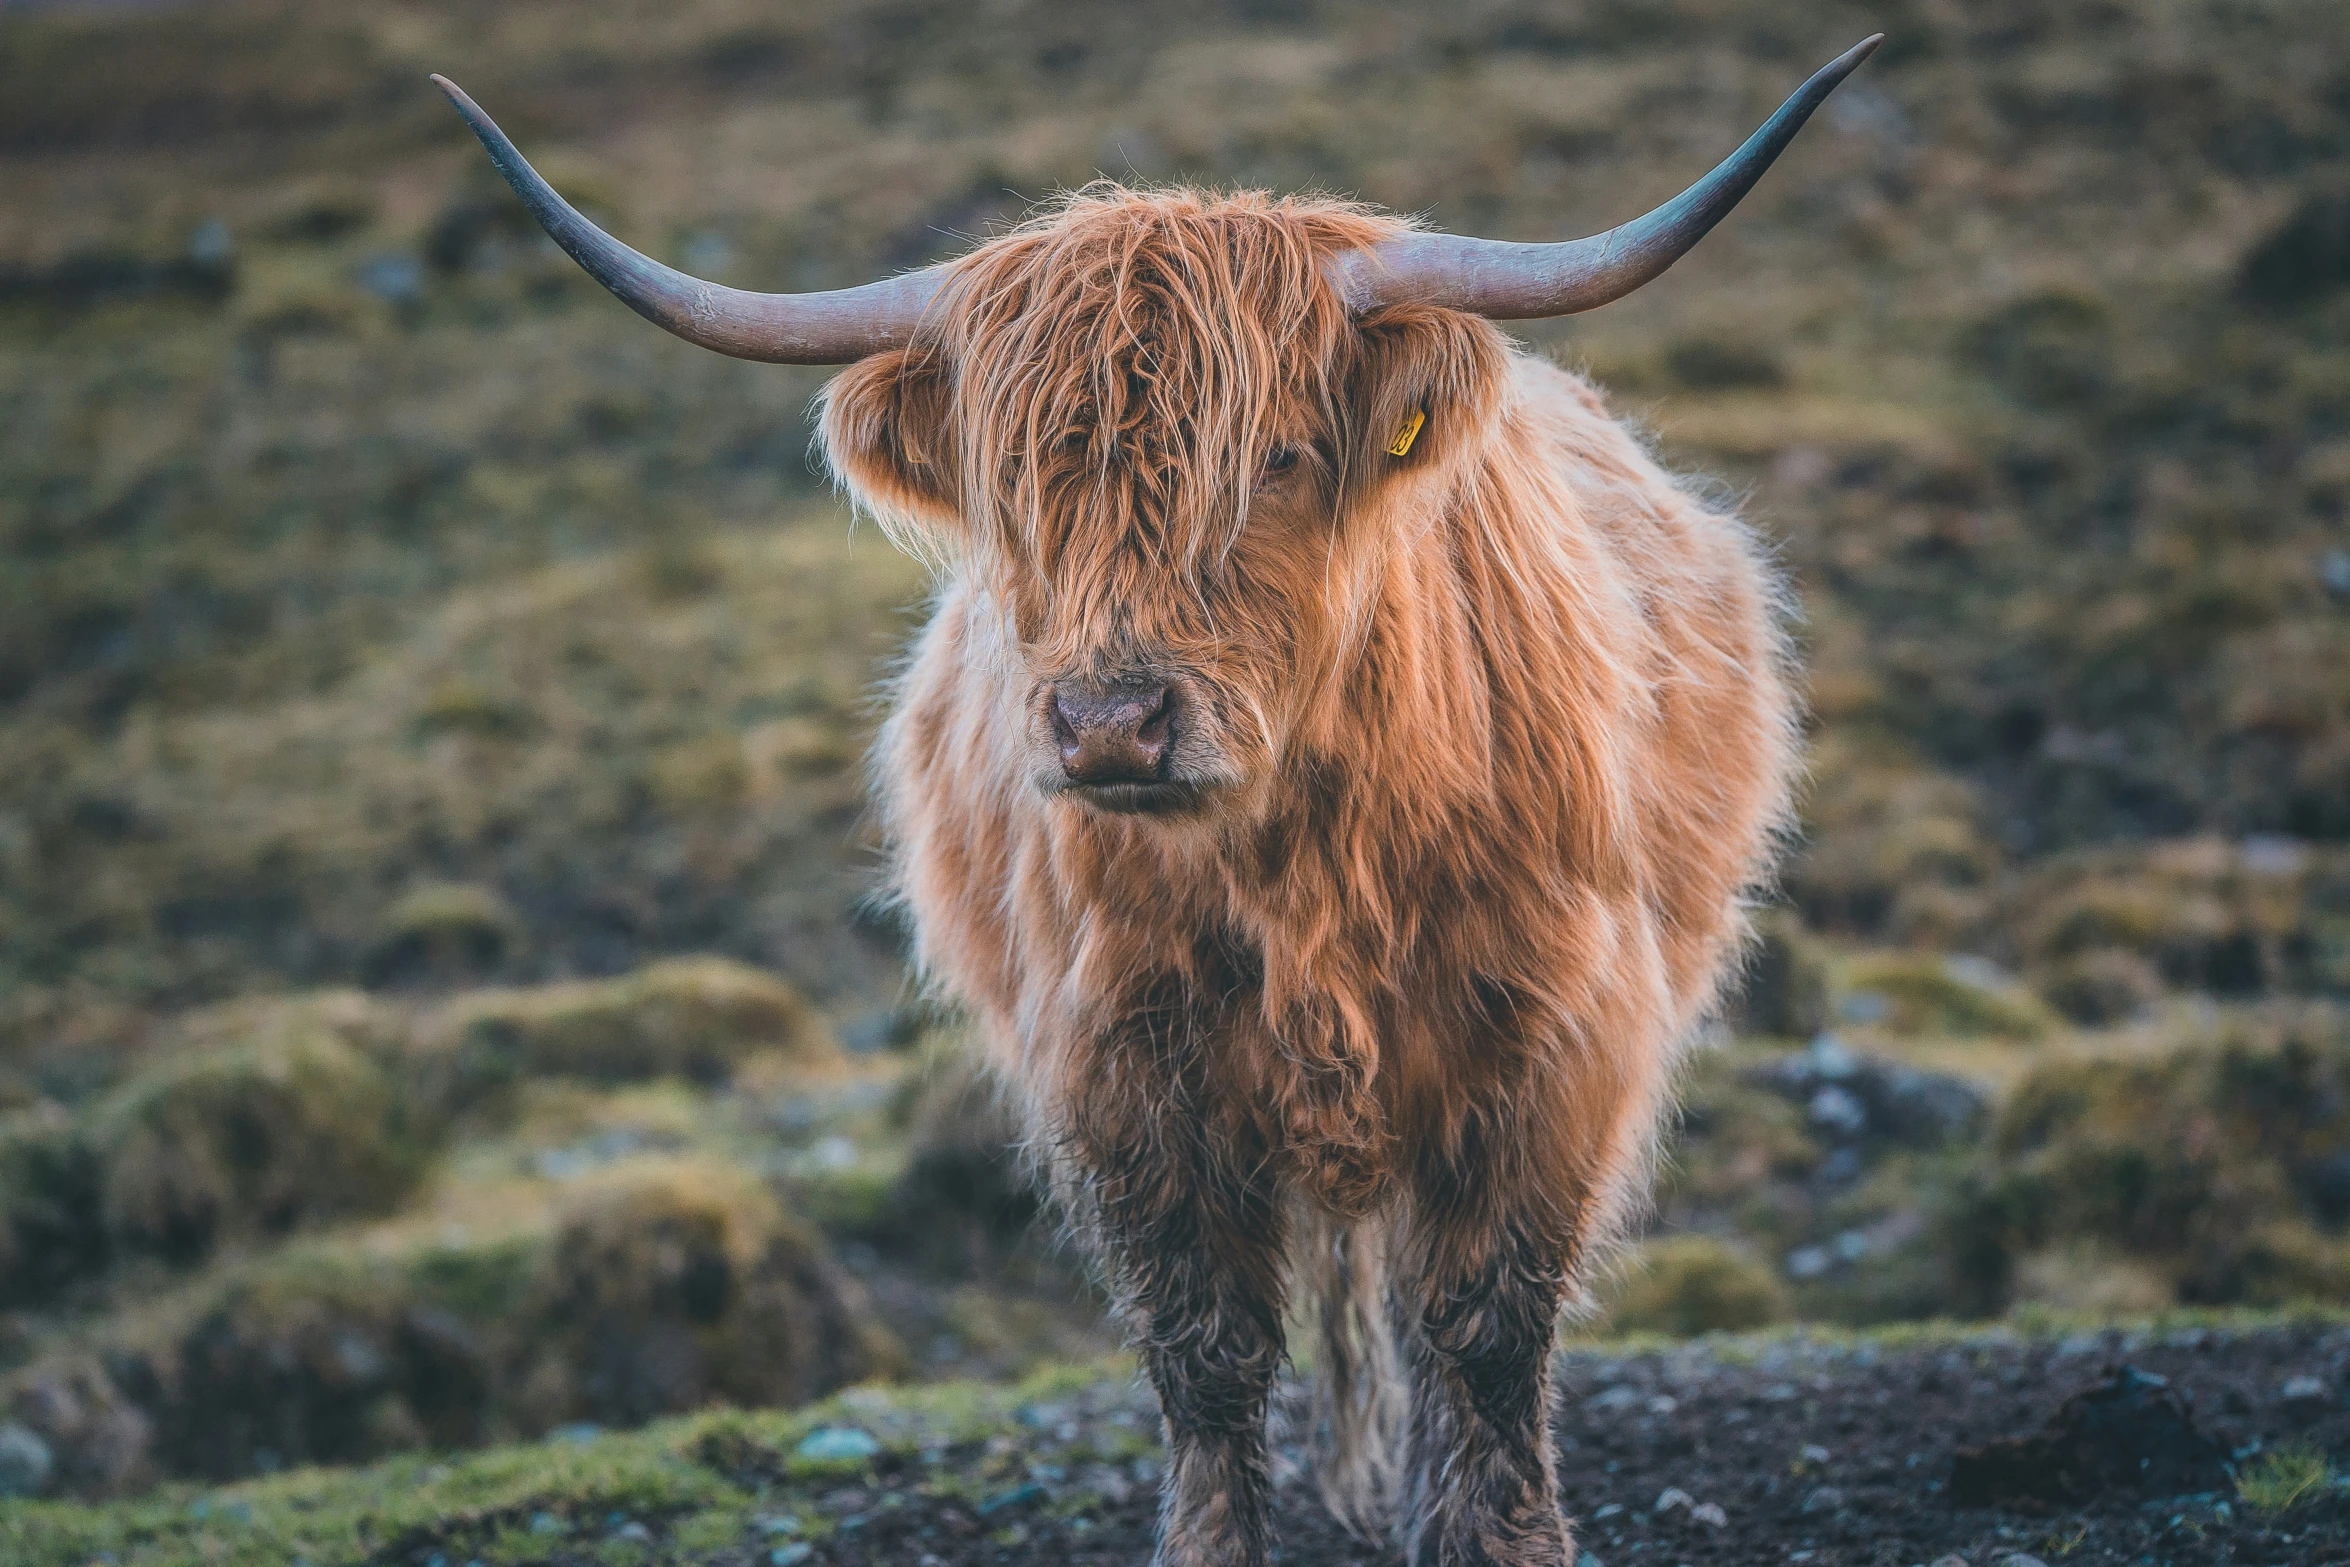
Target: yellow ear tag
[1401, 446]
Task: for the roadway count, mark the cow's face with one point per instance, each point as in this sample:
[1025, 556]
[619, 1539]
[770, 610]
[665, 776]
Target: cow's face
[1164, 455]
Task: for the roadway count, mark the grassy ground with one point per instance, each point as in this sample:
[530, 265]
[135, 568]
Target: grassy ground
[1057, 1467]
[517, 1503]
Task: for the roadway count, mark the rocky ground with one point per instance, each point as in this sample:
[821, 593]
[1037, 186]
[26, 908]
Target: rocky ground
[1800, 1453]
[2192, 1444]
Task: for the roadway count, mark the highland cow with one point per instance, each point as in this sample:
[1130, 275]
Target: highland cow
[1330, 777]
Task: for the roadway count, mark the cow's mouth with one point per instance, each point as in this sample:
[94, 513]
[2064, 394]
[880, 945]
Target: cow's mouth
[1167, 798]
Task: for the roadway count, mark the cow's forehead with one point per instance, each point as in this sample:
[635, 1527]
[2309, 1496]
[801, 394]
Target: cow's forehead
[1142, 282]
[1119, 366]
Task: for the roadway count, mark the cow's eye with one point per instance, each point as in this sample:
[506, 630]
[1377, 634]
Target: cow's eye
[1279, 461]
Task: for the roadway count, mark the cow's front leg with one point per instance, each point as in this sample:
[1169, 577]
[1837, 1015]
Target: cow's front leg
[1486, 1270]
[1181, 1196]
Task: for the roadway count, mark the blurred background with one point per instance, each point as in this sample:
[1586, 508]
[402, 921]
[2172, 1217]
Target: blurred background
[436, 998]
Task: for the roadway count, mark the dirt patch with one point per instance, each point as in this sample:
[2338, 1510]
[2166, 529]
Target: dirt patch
[2132, 1432]
[1805, 1453]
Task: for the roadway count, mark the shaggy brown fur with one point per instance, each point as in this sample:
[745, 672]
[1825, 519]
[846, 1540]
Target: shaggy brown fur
[1474, 751]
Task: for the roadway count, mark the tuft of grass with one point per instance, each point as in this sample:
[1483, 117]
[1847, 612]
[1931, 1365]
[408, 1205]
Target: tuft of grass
[652, 1287]
[2283, 1478]
[251, 1139]
[1683, 1285]
[443, 929]
[2190, 1171]
[656, 1254]
[702, 1476]
[694, 1018]
[1924, 993]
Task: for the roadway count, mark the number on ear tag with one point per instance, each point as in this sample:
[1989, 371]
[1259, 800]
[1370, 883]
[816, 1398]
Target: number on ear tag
[1401, 446]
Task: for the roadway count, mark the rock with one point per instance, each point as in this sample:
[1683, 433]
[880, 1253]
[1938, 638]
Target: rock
[2129, 1432]
[2013, 1559]
[1952, 1560]
[1823, 1499]
[2304, 258]
[1672, 1496]
[98, 1438]
[1710, 1514]
[2304, 1395]
[25, 1462]
[1018, 1496]
[2334, 571]
[1927, 1108]
[1838, 1112]
[837, 1445]
[1831, 1058]
[1850, 1094]
[395, 277]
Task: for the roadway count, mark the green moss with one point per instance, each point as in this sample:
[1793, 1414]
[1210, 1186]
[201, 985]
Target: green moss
[2210, 1163]
[707, 1477]
[478, 1281]
[694, 1018]
[2103, 986]
[2284, 1478]
[655, 1287]
[1684, 1285]
[1925, 993]
[445, 931]
[671, 1283]
[481, 1503]
[50, 1230]
[863, 1201]
[288, 1127]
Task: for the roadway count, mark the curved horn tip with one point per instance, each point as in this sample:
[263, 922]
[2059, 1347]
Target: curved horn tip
[1831, 76]
[460, 100]
[1849, 61]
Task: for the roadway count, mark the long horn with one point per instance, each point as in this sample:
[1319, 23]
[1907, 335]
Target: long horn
[1517, 282]
[831, 328]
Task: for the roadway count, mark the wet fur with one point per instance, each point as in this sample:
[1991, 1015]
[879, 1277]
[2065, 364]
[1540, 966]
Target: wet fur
[1480, 746]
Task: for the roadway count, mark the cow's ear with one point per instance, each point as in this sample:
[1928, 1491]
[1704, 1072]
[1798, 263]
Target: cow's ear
[1424, 396]
[885, 436]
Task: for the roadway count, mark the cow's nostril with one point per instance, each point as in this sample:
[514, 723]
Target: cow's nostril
[1113, 734]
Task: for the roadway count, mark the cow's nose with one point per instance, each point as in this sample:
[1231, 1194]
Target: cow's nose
[1113, 734]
